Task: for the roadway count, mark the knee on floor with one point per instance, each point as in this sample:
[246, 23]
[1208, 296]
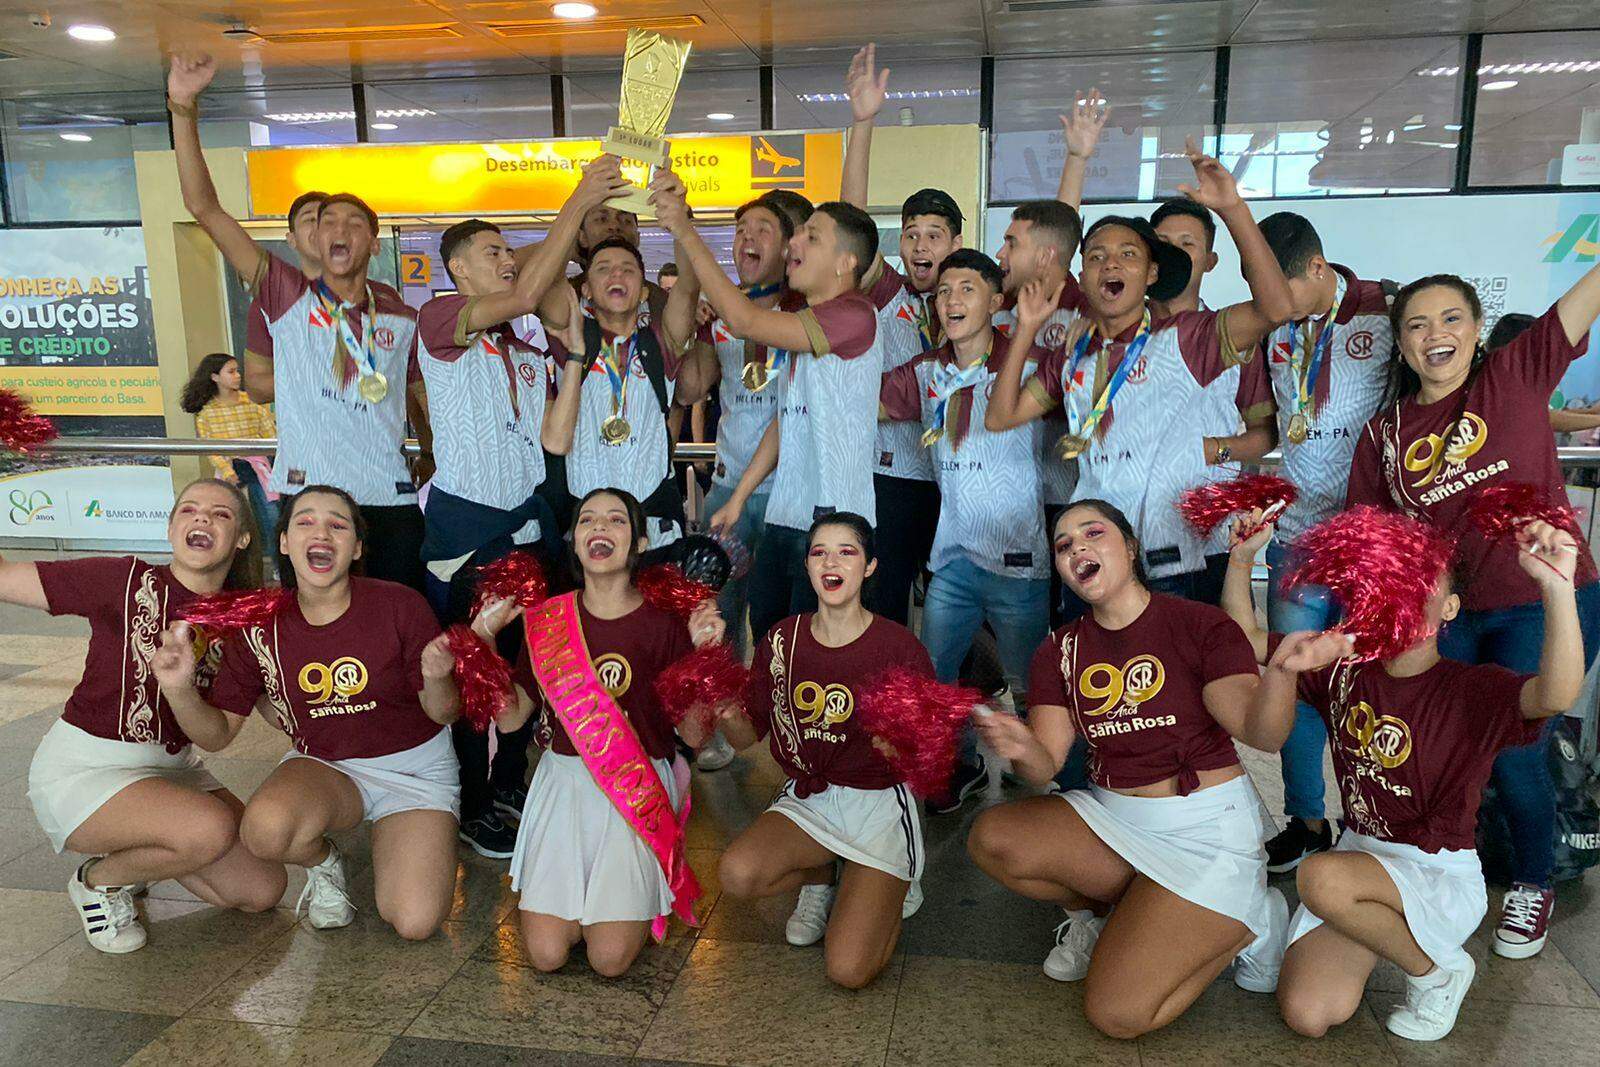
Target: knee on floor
[1117, 1014]
[414, 921]
[611, 961]
[851, 970]
[1309, 1014]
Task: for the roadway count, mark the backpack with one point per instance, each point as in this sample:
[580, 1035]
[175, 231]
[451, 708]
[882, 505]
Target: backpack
[647, 349]
[1577, 830]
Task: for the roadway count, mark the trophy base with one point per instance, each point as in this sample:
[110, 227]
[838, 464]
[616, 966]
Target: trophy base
[633, 199]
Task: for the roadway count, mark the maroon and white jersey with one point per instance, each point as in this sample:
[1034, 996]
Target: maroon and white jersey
[1148, 448]
[1239, 394]
[643, 460]
[905, 334]
[1058, 477]
[328, 434]
[1348, 391]
[991, 500]
[486, 399]
[828, 419]
[348, 689]
[128, 603]
[746, 414]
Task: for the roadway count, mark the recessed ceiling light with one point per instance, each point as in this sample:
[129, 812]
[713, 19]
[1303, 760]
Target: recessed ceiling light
[574, 11]
[384, 126]
[88, 31]
[719, 116]
[1494, 87]
[76, 137]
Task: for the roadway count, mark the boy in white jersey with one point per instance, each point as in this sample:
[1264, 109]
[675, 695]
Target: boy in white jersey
[827, 363]
[300, 236]
[989, 557]
[495, 413]
[1328, 368]
[1130, 384]
[761, 237]
[344, 349]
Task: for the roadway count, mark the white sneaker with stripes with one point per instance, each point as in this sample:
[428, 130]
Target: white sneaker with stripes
[109, 920]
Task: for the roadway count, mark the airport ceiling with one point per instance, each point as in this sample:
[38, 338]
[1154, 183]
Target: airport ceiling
[308, 42]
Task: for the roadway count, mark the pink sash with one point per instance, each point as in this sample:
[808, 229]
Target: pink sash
[609, 746]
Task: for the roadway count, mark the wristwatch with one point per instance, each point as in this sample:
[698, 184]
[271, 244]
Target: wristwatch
[1224, 453]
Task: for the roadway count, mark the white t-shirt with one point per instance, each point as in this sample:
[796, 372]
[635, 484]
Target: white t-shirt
[1057, 476]
[745, 414]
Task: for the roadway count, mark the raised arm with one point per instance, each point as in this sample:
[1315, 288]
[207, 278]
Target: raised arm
[1010, 406]
[1580, 306]
[1550, 558]
[1080, 130]
[1271, 302]
[680, 317]
[174, 667]
[545, 265]
[748, 320]
[1574, 420]
[185, 82]
[561, 411]
[867, 87]
[1237, 599]
[762, 463]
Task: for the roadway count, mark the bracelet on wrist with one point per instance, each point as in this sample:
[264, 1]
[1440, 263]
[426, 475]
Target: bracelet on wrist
[187, 111]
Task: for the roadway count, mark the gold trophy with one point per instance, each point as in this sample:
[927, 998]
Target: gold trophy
[652, 66]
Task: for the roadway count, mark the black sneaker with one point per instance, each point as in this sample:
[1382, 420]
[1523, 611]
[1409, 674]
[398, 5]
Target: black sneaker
[489, 836]
[510, 800]
[1295, 843]
[968, 781]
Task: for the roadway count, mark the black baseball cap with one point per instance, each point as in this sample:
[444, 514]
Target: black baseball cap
[1173, 265]
[933, 202]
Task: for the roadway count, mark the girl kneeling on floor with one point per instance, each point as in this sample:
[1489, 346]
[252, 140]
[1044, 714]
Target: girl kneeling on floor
[1414, 741]
[599, 855]
[1170, 831]
[359, 677]
[116, 778]
[844, 829]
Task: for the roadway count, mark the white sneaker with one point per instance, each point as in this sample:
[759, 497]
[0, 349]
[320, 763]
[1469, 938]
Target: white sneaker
[326, 903]
[715, 754]
[109, 919]
[1430, 1010]
[1257, 967]
[1075, 940]
[913, 902]
[810, 919]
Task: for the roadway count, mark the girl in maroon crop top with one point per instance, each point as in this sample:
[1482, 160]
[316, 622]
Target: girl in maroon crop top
[1159, 688]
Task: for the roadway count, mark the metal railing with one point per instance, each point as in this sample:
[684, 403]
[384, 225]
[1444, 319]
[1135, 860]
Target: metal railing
[1573, 456]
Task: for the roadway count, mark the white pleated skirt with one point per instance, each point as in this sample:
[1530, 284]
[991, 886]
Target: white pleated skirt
[877, 828]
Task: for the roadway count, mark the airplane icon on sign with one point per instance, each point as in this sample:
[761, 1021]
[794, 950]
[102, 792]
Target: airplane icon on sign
[767, 154]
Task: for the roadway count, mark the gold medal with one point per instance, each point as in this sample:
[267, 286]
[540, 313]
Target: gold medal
[1071, 446]
[1299, 428]
[930, 435]
[755, 376]
[373, 387]
[615, 430]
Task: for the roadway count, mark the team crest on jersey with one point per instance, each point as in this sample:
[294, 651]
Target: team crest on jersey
[1140, 371]
[1054, 336]
[383, 337]
[1122, 689]
[528, 375]
[614, 672]
[1383, 739]
[1359, 345]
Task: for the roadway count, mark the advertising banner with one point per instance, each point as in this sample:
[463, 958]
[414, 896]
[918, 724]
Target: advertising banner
[1521, 252]
[76, 338]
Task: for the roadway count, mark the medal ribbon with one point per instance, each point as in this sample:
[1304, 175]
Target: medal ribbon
[617, 370]
[775, 356]
[924, 321]
[948, 380]
[360, 350]
[1130, 357]
[1311, 356]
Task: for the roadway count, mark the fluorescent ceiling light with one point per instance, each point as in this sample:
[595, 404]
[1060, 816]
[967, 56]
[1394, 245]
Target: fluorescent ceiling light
[719, 116]
[88, 31]
[385, 126]
[574, 11]
[893, 94]
[402, 113]
[1494, 87]
[76, 137]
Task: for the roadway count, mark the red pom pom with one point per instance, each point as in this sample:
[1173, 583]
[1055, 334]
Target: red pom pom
[1206, 506]
[701, 681]
[666, 589]
[1383, 568]
[482, 676]
[1498, 511]
[236, 610]
[21, 429]
[921, 721]
[517, 576]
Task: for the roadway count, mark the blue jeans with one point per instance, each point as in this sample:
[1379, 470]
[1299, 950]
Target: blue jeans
[961, 597]
[779, 586]
[735, 595]
[1512, 637]
[1307, 608]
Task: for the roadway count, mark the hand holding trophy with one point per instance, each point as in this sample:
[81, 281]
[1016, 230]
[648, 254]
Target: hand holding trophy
[652, 66]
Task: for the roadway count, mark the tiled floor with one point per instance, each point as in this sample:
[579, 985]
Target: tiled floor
[219, 989]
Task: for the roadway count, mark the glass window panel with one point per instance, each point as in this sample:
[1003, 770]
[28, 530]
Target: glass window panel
[1538, 116]
[921, 94]
[269, 116]
[460, 109]
[1344, 118]
[70, 158]
[592, 102]
[1156, 102]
